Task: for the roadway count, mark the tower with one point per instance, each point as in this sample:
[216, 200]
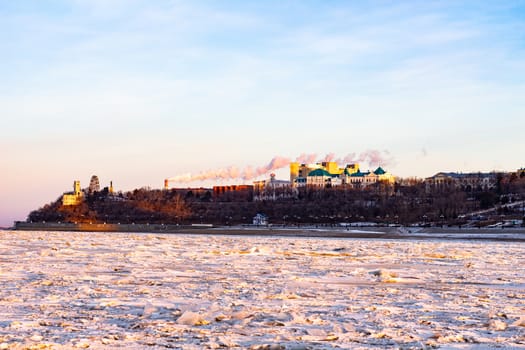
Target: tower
[94, 184]
[76, 188]
[75, 197]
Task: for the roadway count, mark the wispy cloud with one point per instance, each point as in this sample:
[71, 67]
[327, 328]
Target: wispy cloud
[353, 64]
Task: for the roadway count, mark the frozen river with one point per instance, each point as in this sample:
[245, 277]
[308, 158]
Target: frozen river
[136, 291]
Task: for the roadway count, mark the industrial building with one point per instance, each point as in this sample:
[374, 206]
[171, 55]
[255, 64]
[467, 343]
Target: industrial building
[233, 193]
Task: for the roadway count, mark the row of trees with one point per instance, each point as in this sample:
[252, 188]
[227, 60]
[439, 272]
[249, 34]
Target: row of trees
[406, 202]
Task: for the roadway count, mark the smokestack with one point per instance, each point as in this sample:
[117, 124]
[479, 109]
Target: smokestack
[166, 181]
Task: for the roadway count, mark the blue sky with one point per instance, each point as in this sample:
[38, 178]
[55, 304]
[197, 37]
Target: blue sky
[137, 91]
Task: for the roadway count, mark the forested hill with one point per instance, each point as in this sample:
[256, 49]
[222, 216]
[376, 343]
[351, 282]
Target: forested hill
[404, 203]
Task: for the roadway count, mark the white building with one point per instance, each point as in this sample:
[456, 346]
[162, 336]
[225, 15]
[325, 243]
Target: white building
[260, 219]
[272, 189]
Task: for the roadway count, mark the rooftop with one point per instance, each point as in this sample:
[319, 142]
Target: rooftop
[380, 171]
[359, 173]
[320, 172]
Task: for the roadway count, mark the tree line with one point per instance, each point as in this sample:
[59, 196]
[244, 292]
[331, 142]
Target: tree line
[405, 202]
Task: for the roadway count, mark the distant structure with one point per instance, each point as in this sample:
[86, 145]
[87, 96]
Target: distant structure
[233, 193]
[465, 181]
[273, 189]
[94, 185]
[329, 174]
[260, 219]
[318, 175]
[75, 197]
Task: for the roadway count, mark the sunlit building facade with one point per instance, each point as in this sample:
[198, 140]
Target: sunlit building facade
[75, 197]
[330, 174]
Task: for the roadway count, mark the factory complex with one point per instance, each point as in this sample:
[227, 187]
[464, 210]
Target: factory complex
[322, 175]
[316, 175]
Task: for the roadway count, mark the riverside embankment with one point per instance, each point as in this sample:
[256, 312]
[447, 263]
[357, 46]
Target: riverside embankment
[103, 227]
[462, 233]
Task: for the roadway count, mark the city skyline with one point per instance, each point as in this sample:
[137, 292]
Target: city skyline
[136, 92]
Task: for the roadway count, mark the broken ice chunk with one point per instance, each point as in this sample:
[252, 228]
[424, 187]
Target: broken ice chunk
[190, 318]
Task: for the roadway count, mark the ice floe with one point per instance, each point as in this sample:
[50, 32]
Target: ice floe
[120, 290]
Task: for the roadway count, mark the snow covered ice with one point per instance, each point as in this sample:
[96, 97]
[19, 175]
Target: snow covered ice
[154, 291]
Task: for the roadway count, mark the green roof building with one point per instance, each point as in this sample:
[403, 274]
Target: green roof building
[380, 171]
[320, 172]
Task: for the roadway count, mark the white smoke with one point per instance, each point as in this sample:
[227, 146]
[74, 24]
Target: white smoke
[233, 173]
[371, 157]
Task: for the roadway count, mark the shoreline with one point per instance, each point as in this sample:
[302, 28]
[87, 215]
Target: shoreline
[369, 232]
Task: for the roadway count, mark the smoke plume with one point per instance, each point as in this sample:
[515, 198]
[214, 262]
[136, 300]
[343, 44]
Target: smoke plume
[370, 157]
[306, 158]
[330, 157]
[233, 173]
[376, 158]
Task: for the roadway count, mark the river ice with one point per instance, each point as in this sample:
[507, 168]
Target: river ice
[135, 291]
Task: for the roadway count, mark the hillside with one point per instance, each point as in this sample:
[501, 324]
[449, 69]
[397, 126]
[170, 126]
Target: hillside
[407, 202]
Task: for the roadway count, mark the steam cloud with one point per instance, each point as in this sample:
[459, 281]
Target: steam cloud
[371, 157]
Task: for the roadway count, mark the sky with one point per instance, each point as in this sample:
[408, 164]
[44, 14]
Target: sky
[136, 91]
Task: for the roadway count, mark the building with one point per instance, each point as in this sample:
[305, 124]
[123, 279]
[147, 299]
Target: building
[94, 185]
[301, 171]
[363, 179]
[273, 189]
[75, 197]
[329, 174]
[233, 193]
[260, 219]
[322, 178]
[463, 181]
